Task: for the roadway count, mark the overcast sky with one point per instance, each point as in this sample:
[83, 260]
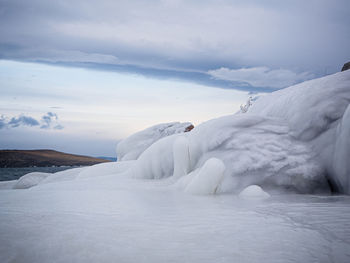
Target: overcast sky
[74, 73]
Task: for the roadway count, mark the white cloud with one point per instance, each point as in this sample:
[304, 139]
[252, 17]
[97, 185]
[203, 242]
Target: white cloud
[263, 77]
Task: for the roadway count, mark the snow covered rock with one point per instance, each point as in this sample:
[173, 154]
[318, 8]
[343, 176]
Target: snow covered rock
[253, 192]
[346, 66]
[30, 180]
[207, 179]
[132, 147]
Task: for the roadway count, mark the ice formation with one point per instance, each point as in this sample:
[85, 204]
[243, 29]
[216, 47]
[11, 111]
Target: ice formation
[207, 178]
[314, 112]
[132, 147]
[253, 192]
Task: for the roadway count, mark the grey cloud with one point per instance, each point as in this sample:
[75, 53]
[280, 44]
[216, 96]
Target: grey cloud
[22, 120]
[300, 36]
[47, 121]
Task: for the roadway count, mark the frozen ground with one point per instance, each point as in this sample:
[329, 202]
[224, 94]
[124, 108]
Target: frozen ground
[120, 219]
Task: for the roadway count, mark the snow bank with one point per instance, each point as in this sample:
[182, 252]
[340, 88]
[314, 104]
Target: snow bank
[132, 147]
[253, 192]
[30, 180]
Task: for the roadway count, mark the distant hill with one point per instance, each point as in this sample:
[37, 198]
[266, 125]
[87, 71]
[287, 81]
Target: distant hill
[42, 158]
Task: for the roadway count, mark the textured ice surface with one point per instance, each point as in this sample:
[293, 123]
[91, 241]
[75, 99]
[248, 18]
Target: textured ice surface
[254, 150]
[314, 112]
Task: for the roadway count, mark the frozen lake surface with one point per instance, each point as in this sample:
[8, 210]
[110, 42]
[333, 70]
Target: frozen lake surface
[119, 219]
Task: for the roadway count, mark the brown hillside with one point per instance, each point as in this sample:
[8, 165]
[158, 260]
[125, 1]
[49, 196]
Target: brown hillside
[42, 158]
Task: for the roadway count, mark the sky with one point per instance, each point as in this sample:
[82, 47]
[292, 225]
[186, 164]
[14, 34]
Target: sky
[78, 76]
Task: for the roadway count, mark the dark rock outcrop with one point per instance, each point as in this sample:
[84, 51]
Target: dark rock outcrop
[346, 66]
[189, 128]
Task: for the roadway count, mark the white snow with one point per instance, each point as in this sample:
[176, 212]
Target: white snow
[253, 192]
[132, 147]
[181, 197]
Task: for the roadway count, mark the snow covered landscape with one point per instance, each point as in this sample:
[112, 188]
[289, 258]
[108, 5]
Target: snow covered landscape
[267, 184]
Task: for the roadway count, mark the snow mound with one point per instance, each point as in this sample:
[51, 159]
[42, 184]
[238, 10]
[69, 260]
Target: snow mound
[207, 179]
[30, 180]
[253, 192]
[132, 147]
[314, 112]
